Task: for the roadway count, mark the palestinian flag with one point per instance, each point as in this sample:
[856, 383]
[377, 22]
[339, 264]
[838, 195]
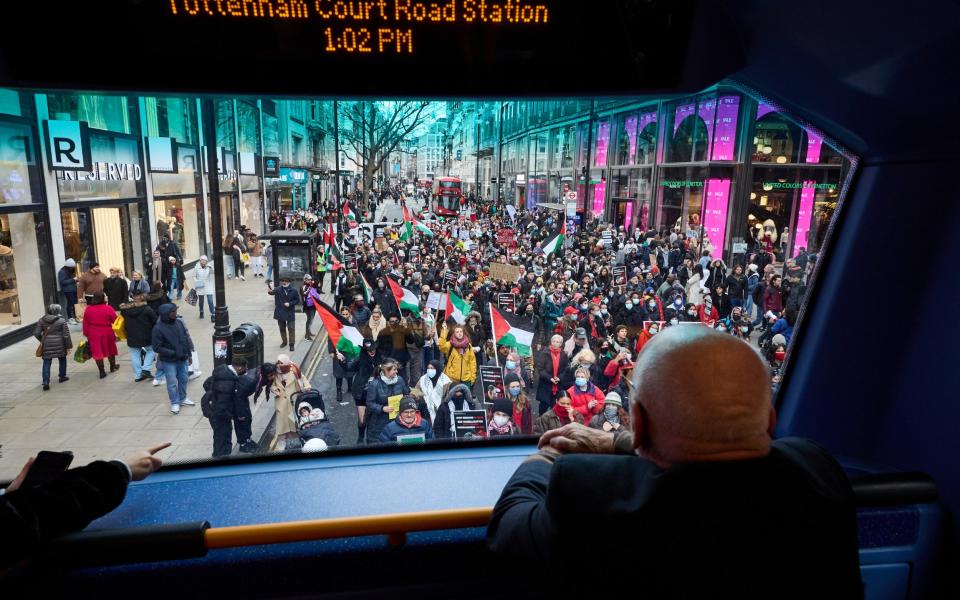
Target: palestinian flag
[329, 238]
[556, 244]
[367, 290]
[406, 300]
[343, 336]
[505, 334]
[348, 213]
[409, 224]
[458, 308]
[333, 256]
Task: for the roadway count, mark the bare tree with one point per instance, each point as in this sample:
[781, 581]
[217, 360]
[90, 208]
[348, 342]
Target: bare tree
[375, 129]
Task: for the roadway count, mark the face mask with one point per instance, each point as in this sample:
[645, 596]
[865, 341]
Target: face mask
[674, 321]
[779, 355]
[573, 317]
[515, 391]
[708, 302]
[581, 382]
[380, 285]
[611, 413]
[510, 365]
[431, 373]
[604, 312]
[584, 307]
[744, 329]
[628, 305]
[636, 300]
[500, 420]
[654, 331]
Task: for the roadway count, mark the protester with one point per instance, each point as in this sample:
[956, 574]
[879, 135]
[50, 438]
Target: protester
[385, 388]
[459, 354]
[409, 422]
[560, 414]
[502, 422]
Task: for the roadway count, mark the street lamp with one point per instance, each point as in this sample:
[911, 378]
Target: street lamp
[222, 351]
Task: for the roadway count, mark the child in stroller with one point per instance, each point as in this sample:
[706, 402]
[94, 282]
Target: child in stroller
[312, 421]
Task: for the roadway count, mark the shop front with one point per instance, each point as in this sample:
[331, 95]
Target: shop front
[177, 206]
[293, 189]
[695, 200]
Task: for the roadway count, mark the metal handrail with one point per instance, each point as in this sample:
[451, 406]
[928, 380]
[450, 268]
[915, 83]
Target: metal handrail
[395, 525]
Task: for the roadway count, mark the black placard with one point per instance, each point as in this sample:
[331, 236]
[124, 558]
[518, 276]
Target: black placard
[470, 424]
[507, 302]
[491, 379]
[619, 276]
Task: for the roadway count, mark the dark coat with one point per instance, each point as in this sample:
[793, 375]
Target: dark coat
[170, 339]
[767, 520]
[285, 295]
[364, 366]
[139, 320]
[544, 366]
[58, 341]
[444, 418]
[378, 396]
[323, 430]
[65, 278]
[394, 429]
[116, 290]
[223, 383]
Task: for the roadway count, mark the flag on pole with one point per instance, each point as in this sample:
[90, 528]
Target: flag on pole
[556, 244]
[348, 213]
[457, 307]
[409, 224]
[333, 256]
[367, 290]
[406, 300]
[505, 334]
[346, 338]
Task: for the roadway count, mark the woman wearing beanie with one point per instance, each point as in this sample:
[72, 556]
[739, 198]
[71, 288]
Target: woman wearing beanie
[55, 342]
[502, 422]
[613, 418]
[522, 414]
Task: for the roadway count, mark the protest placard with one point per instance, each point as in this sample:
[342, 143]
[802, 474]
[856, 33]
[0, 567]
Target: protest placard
[620, 275]
[504, 271]
[469, 424]
[449, 279]
[505, 238]
[394, 403]
[350, 260]
[381, 244]
[507, 302]
[434, 300]
[414, 255]
[491, 381]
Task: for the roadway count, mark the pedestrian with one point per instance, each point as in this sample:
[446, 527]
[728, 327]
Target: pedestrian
[285, 299]
[90, 283]
[138, 285]
[174, 278]
[287, 382]
[311, 298]
[98, 329]
[388, 387]
[409, 422]
[237, 249]
[340, 370]
[54, 335]
[242, 415]
[459, 355]
[268, 257]
[67, 280]
[139, 321]
[366, 366]
[203, 285]
[431, 389]
[222, 385]
[255, 250]
[116, 288]
[502, 422]
[174, 347]
[551, 364]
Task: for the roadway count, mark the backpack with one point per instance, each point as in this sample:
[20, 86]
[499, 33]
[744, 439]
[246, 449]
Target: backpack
[207, 400]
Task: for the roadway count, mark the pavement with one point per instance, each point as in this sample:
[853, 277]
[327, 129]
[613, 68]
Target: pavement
[105, 418]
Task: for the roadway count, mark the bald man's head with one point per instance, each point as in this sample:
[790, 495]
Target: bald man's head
[700, 395]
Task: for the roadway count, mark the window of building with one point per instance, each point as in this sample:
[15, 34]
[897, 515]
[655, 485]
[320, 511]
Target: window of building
[110, 113]
[23, 239]
[172, 117]
[182, 220]
[626, 153]
[17, 163]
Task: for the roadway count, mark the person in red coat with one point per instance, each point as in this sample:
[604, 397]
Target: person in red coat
[587, 399]
[708, 313]
[652, 328]
[98, 329]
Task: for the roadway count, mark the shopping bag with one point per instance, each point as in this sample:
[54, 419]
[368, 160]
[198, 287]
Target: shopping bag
[79, 309]
[120, 328]
[192, 297]
[245, 258]
[82, 353]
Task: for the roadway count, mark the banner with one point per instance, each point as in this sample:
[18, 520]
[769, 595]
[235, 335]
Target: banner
[505, 237]
[491, 381]
[434, 300]
[619, 276]
[505, 272]
[469, 424]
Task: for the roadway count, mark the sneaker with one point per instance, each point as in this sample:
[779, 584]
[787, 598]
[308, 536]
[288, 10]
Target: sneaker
[143, 377]
[156, 382]
[194, 375]
[242, 278]
[188, 402]
[249, 447]
[175, 409]
[46, 387]
[62, 379]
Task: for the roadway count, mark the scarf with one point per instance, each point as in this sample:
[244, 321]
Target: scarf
[157, 273]
[562, 413]
[460, 345]
[375, 329]
[555, 355]
[494, 428]
[518, 410]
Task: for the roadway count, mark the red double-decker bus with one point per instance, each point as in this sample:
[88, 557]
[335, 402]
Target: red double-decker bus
[447, 196]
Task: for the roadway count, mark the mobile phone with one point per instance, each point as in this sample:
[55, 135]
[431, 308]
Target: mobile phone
[47, 467]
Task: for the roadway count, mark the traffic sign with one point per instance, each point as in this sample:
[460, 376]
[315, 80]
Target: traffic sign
[571, 195]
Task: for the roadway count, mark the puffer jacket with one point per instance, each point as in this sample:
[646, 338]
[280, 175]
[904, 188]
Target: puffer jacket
[443, 423]
[223, 384]
[460, 367]
[138, 320]
[58, 340]
[170, 339]
[378, 396]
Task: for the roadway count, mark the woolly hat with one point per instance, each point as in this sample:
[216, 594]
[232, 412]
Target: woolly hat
[70, 263]
[752, 268]
[408, 403]
[613, 398]
[503, 405]
[510, 378]
[779, 340]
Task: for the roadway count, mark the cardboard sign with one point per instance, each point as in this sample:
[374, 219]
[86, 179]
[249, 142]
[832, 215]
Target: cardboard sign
[381, 244]
[449, 279]
[413, 255]
[505, 237]
[507, 302]
[350, 260]
[434, 300]
[491, 380]
[504, 271]
[394, 403]
[470, 424]
[620, 275]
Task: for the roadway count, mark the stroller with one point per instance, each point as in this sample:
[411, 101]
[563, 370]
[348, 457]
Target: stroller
[312, 421]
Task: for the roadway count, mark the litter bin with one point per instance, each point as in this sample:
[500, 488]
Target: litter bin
[248, 344]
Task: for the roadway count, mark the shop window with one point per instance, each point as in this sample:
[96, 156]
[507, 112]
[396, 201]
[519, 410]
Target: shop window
[181, 220]
[16, 156]
[271, 135]
[601, 143]
[627, 139]
[250, 214]
[688, 139]
[226, 132]
[172, 117]
[21, 286]
[184, 181]
[106, 234]
[110, 113]
[647, 138]
[776, 138]
[248, 126]
[9, 102]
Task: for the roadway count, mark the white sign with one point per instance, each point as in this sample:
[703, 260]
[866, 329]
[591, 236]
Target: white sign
[433, 301]
[160, 155]
[571, 209]
[512, 210]
[571, 195]
[102, 171]
[740, 248]
[68, 145]
[521, 178]
[248, 163]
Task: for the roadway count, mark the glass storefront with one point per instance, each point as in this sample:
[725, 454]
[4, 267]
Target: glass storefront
[695, 201]
[109, 235]
[24, 248]
[182, 220]
[250, 211]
